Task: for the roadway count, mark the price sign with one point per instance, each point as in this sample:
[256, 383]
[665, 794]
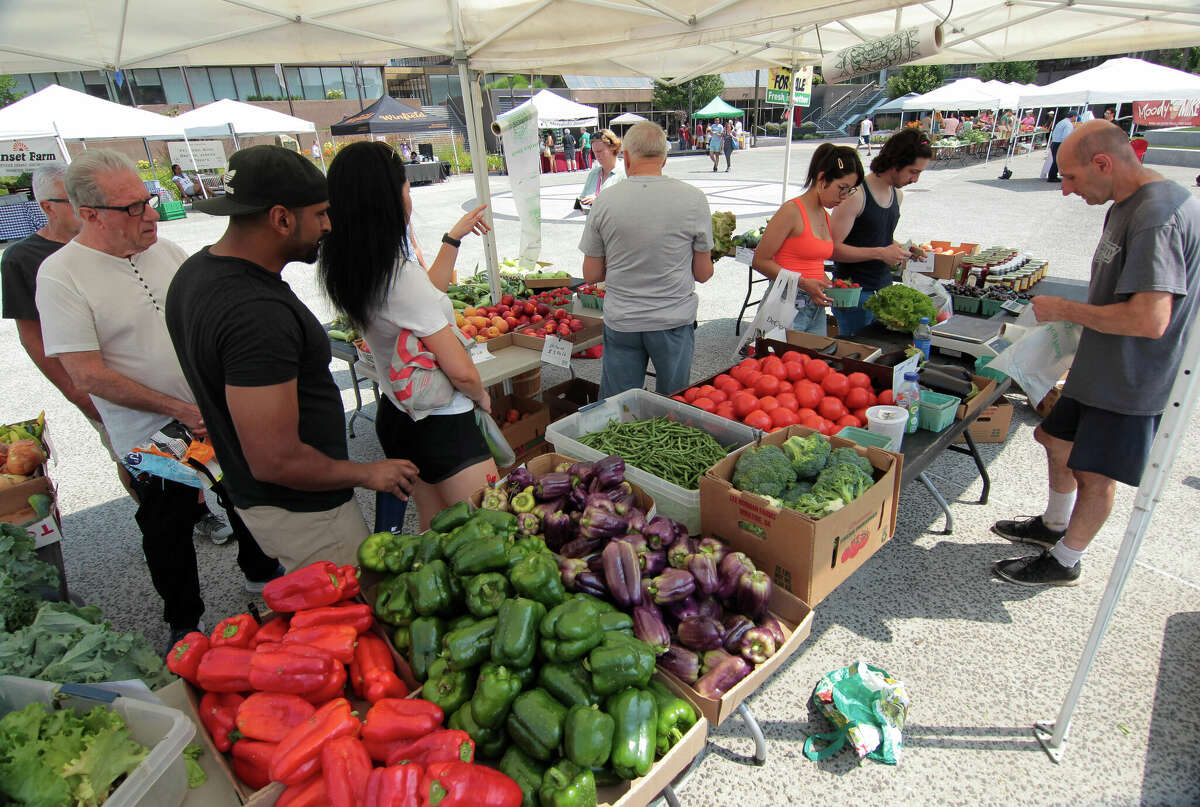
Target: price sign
[479, 353]
[781, 78]
[909, 365]
[1014, 306]
[557, 351]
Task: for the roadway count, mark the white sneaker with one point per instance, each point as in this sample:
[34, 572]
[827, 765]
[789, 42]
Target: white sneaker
[214, 528]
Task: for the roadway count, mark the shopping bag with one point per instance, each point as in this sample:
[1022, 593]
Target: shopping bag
[1040, 355]
[497, 443]
[777, 308]
[867, 707]
[413, 378]
[1046, 163]
[931, 288]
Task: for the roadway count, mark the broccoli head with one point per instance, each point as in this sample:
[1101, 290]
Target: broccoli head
[846, 482]
[848, 456]
[764, 470]
[795, 491]
[807, 454]
[816, 506]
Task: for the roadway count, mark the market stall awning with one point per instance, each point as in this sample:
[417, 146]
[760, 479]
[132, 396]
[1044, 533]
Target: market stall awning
[1114, 82]
[388, 116]
[966, 93]
[78, 116]
[716, 108]
[214, 120]
[627, 118]
[896, 104]
[554, 111]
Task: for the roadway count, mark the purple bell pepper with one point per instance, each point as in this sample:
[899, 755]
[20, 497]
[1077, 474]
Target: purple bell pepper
[700, 633]
[684, 664]
[732, 568]
[558, 529]
[704, 568]
[623, 573]
[551, 486]
[609, 471]
[648, 626]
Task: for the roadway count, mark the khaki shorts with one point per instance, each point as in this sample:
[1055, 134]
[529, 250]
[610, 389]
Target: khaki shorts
[298, 539]
[104, 441]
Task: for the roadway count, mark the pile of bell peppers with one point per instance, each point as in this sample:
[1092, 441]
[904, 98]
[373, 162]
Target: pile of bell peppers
[552, 687]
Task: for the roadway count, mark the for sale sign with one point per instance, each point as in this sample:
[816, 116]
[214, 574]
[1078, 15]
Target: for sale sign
[781, 79]
[1167, 113]
[22, 156]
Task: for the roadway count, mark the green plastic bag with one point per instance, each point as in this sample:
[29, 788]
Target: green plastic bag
[866, 706]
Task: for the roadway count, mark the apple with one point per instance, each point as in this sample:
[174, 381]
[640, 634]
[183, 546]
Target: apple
[530, 308]
[564, 330]
[543, 309]
[507, 299]
[536, 318]
[560, 314]
[575, 325]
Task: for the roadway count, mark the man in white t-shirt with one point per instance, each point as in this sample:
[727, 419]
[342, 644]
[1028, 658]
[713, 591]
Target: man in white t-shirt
[101, 299]
[865, 129]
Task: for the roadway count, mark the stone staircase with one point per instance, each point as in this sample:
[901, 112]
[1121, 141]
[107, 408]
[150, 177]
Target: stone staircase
[1173, 147]
[848, 109]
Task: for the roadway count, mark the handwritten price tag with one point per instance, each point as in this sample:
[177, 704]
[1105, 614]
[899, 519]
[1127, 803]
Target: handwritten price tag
[557, 351]
[479, 353]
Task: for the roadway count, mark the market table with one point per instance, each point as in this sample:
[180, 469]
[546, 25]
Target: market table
[423, 172]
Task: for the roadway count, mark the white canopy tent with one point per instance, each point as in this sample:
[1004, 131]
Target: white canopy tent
[555, 112]
[221, 118]
[966, 93]
[896, 104]
[627, 118]
[74, 115]
[1114, 82]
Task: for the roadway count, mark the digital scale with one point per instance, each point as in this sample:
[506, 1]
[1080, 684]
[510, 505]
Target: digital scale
[975, 337]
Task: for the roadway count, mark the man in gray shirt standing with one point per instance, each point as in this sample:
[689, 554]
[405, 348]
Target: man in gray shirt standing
[1141, 303]
[649, 239]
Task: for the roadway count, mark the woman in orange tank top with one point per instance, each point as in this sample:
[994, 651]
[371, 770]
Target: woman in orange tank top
[798, 237]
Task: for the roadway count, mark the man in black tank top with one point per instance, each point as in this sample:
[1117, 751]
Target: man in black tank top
[864, 249]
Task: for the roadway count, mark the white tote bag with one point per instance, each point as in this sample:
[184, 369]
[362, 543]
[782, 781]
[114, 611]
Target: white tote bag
[931, 288]
[777, 308]
[1040, 356]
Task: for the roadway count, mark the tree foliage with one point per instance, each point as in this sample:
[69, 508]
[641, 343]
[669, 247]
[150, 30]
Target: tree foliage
[1020, 72]
[919, 78]
[8, 92]
[517, 81]
[1187, 59]
[703, 89]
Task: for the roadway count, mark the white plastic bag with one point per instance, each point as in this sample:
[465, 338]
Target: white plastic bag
[930, 287]
[777, 309]
[1045, 173]
[1040, 356]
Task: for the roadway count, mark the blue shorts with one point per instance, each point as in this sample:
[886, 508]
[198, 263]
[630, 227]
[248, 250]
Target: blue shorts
[1108, 443]
[623, 363]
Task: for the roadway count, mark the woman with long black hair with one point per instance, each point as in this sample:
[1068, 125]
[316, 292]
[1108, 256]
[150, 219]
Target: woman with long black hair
[370, 275]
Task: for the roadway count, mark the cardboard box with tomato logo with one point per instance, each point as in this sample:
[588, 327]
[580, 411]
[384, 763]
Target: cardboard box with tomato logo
[808, 557]
[521, 420]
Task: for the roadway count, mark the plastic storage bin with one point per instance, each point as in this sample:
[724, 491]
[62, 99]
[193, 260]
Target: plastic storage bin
[678, 503]
[988, 308]
[965, 305]
[937, 410]
[866, 438]
[161, 778]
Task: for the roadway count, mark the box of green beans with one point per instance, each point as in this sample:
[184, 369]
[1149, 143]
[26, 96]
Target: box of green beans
[667, 445]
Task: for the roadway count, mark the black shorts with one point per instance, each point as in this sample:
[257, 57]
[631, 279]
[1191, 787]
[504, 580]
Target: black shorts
[439, 445]
[1103, 442]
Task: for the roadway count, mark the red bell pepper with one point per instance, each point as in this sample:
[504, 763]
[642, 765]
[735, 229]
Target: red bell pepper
[393, 723]
[374, 662]
[334, 688]
[272, 631]
[289, 672]
[236, 631]
[346, 767]
[357, 614]
[312, 586]
[225, 669]
[252, 762]
[295, 650]
[462, 784]
[218, 713]
[303, 744]
[270, 716]
[446, 745]
[184, 658]
[337, 640]
[394, 786]
[309, 793]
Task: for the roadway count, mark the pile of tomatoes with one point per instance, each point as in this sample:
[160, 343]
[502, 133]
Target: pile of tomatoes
[779, 391]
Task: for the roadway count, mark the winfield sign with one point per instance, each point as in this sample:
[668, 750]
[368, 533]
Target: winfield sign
[19, 156]
[1167, 113]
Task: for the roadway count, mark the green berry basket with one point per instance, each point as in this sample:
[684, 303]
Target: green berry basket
[843, 298]
[965, 305]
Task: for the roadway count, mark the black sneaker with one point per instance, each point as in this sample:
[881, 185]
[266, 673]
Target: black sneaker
[178, 633]
[1028, 531]
[1037, 570]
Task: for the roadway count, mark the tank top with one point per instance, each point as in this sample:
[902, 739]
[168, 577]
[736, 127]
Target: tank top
[805, 253]
[874, 227]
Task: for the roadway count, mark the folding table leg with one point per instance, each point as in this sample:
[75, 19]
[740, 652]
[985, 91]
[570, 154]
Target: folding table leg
[983, 474]
[737, 326]
[937, 497]
[668, 794]
[760, 742]
[357, 396]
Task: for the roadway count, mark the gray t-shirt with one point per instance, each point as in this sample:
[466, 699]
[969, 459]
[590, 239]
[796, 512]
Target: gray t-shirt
[1151, 242]
[647, 228]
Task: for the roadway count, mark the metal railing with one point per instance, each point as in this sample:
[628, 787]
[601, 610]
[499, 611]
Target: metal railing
[847, 107]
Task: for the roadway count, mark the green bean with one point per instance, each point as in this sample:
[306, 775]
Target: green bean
[670, 450]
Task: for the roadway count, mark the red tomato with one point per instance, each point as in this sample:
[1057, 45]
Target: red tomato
[751, 378]
[812, 421]
[750, 364]
[739, 374]
[722, 377]
[834, 384]
[795, 370]
[705, 404]
[848, 420]
[706, 390]
[872, 399]
[886, 398]
[782, 417]
[679, 398]
[856, 398]
[828, 428]
[744, 403]
[728, 386]
[786, 386]
[804, 412]
[816, 371]
[861, 414]
[831, 408]
[793, 356]
[691, 394]
[725, 410]
[787, 401]
[807, 393]
[767, 403]
[859, 380]
[766, 384]
[717, 396]
[774, 366]
[758, 419]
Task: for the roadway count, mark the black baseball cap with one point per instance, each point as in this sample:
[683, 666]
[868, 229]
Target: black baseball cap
[261, 177]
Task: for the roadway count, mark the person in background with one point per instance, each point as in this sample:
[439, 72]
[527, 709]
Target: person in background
[700, 139]
[927, 122]
[1060, 132]
[863, 228]
[865, 128]
[716, 134]
[1142, 304]
[607, 170]
[1110, 115]
[585, 148]
[187, 188]
[569, 149]
[258, 361]
[370, 277]
[1086, 115]
[799, 237]
[649, 238]
[935, 127]
[685, 136]
[548, 150]
[1028, 121]
[728, 144]
[950, 125]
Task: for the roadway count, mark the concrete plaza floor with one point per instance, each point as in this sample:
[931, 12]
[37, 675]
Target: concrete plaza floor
[982, 660]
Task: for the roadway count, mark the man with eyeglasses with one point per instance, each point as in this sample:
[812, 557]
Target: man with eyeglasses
[101, 298]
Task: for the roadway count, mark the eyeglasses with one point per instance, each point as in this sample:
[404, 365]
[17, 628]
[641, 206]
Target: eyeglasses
[133, 209]
[845, 190]
[64, 201]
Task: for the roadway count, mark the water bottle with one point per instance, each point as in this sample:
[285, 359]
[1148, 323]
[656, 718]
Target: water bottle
[921, 336]
[909, 397]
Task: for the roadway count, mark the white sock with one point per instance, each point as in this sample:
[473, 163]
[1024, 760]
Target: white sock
[1058, 509]
[1065, 555]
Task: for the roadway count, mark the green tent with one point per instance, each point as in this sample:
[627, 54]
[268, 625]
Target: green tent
[716, 108]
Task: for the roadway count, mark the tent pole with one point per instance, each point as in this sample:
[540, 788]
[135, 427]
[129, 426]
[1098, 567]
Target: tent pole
[1163, 452]
[236, 146]
[62, 145]
[150, 158]
[791, 116]
[321, 149]
[995, 117]
[188, 143]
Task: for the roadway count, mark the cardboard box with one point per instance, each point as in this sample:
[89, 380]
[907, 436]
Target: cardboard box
[14, 507]
[525, 430]
[807, 557]
[592, 328]
[527, 452]
[543, 283]
[544, 464]
[567, 398]
[945, 265]
[985, 387]
[845, 347]
[992, 425]
[220, 789]
[796, 618]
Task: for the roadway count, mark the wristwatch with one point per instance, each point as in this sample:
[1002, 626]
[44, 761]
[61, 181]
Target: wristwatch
[448, 239]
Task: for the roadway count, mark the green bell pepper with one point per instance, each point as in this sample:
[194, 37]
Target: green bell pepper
[372, 550]
[569, 683]
[429, 587]
[518, 551]
[402, 639]
[523, 502]
[526, 675]
[537, 577]
[495, 691]
[515, 641]
[474, 530]
[401, 555]
[535, 724]
[485, 555]
[427, 633]
[588, 736]
[485, 592]
[675, 717]
[616, 622]
[449, 689]
[489, 742]
[453, 516]
[503, 523]
[635, 716]
[568, 785]
[393, 600]
[620, 662]
[526, 771]
[605, 776]
[495, 499]
[429, 548]
[460, 622]
[570, 630]
[469, 646]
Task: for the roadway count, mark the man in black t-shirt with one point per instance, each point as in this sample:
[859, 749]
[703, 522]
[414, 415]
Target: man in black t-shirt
[258, 362]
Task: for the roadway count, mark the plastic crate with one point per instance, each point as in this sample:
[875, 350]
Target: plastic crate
[169, 211]
[989, 307]
[591, 301]
[678, 503]
[843, 298]
[866, 438]
[965, 305]
[981, 368]
[161, 778]
[937, 410]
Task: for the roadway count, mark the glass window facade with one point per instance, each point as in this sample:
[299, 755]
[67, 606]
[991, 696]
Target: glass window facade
[310, 82]
[23, 84]
[42, 80]
[173, 87]
[372, 78]
[331, 77]
[243, 79]
[222, 82]
[147, 86]
[197, 78]
[292, 76]
[73, 81]
[268, 82]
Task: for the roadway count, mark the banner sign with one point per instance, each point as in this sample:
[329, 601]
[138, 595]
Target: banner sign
[518, 131]
[777, 87]
[1167, 113]
[907, 45]
[209, 154]
[21, 156]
